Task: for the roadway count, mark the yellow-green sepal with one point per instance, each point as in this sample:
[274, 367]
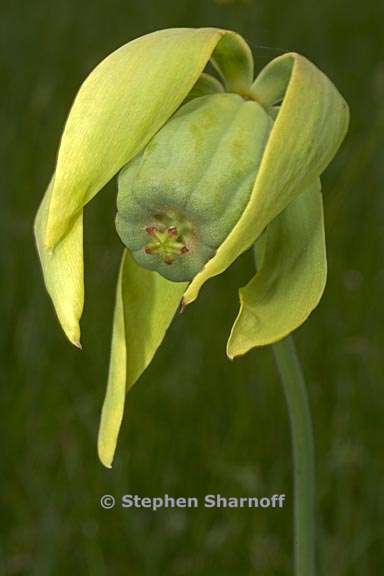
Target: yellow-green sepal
[234, 62]
[145, 305]
[63, 270]
[291, 277]
[307, 132]
[123, 103]
[119, 107]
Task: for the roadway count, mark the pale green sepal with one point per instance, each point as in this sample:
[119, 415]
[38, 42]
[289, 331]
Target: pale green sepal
[145, 305]
[113, 407]
[292, 274]
[307, 132]
[271, 84]
[234, 61]
[120, 106]
[63, 271]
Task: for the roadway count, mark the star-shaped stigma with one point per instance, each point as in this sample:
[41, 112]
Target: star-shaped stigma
[167, 243]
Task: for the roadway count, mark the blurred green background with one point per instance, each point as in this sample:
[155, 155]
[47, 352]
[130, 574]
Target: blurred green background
[196, 423]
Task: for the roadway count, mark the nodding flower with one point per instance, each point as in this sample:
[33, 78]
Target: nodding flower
[209, 166]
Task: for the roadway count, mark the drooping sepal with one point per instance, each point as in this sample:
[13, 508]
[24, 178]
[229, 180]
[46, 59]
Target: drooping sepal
[123, 103]
[291, 277]
[309, 127]
[118, 109]
[63, 270]
[145, 305]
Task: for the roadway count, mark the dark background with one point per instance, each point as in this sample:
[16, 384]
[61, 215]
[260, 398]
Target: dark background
[196, 423]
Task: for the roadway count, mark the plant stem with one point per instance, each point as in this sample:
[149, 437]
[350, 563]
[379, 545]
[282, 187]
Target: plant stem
[303, 454]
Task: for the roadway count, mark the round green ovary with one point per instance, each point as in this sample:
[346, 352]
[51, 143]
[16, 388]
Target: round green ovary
[181, 197]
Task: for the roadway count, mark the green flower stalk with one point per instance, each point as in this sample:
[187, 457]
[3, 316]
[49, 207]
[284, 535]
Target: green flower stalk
[207, 168]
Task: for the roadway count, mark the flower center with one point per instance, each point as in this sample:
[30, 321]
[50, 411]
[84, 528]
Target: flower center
[167, 242]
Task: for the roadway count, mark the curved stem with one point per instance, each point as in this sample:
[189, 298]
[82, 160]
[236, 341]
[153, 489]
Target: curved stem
[303, 453]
